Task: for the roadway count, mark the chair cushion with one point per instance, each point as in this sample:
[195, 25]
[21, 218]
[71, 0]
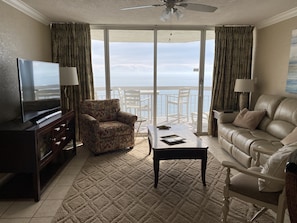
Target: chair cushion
[247, 185]
[275, 166]
[291, 138]
[248, 119]
[114, 128]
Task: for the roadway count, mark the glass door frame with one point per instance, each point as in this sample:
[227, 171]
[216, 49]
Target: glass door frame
[200, 84]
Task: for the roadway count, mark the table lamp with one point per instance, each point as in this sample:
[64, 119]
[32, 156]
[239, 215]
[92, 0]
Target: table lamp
[68, 77]
[244, 86]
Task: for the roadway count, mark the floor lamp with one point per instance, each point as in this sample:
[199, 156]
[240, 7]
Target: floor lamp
[244, 86]
[68, 77]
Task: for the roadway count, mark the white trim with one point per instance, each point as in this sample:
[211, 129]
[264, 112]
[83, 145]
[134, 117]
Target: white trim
[26, 9]
[278, 18]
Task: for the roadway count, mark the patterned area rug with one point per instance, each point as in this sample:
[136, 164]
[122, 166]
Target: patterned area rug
[118, 187]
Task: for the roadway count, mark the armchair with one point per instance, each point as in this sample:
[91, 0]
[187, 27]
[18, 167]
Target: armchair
[103, 127]
[261, 186]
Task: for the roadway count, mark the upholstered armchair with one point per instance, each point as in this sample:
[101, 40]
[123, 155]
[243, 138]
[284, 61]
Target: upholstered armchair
[104, 127]
[261, 186]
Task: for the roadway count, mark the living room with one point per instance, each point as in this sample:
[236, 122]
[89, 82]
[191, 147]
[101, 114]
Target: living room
[23, 36]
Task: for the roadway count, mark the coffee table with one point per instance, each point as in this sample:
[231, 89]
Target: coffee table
[189, 148]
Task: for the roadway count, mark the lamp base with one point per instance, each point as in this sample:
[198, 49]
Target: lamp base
[243, 101]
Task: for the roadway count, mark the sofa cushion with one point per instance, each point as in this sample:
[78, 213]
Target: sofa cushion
[248, 119]
[275, 166]
[291, 138]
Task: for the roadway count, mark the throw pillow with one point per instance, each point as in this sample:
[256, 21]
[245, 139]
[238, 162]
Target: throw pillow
[248, 119]
[275, 166]
[291, 138]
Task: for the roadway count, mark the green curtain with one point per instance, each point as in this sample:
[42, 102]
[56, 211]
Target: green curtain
[71, 47]
[233, 60]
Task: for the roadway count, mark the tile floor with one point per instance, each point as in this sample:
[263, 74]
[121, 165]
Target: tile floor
[28, 211]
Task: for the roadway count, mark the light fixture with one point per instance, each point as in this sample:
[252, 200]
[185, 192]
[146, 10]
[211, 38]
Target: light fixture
[168, 12]
[68, 77]
[244, 86]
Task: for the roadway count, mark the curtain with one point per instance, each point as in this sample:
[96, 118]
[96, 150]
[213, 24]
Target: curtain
[233, 60]
[71, 47]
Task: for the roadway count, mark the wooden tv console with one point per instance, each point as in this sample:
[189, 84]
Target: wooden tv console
[35, 154]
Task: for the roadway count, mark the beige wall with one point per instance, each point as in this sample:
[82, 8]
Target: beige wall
[272, 52]
[20, 36]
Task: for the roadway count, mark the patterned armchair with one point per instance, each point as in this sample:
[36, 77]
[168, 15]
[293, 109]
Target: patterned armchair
[103, 127]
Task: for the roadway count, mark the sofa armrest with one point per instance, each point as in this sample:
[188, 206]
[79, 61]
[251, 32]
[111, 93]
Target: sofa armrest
[127, 118]
[227, 117]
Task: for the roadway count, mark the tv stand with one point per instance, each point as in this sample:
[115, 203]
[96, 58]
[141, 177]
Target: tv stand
[35, 154]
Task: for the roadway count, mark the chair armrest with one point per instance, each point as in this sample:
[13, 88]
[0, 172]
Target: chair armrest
[227, 117]
[252, 173]
[127, 118]
[261, 150]
[88, 122]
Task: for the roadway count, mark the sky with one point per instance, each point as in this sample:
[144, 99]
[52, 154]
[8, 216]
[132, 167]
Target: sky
[132, 63]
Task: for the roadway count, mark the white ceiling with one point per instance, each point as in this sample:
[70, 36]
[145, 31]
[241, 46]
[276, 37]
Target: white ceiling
[107, 12]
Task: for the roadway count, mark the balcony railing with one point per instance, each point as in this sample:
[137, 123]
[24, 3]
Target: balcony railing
[162, 96]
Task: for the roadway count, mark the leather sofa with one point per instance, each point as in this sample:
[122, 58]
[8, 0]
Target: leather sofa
[273, 130]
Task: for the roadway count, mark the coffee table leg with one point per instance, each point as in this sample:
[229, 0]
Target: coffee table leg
[156, 171]
[203, 168]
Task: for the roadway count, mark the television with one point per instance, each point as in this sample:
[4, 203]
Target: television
[39, 87]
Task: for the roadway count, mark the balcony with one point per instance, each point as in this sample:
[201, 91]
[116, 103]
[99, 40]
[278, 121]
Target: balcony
[189, 118]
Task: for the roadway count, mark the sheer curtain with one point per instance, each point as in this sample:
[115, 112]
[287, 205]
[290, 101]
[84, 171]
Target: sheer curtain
[71, 47]
[233, 59]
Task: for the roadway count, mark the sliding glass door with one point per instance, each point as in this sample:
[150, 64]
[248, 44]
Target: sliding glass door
[131, 54]
[153, 69]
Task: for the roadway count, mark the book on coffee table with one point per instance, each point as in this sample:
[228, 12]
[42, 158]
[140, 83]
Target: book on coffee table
[173, 139]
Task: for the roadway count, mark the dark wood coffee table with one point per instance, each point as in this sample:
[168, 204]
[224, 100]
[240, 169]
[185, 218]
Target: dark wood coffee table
[189, 148]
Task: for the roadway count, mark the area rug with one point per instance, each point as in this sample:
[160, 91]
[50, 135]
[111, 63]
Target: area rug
[118, 188]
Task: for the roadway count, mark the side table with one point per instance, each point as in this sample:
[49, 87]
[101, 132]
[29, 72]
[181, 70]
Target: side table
[216, 115]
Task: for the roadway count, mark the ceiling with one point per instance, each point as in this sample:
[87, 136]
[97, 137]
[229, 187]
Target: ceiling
[107, 12]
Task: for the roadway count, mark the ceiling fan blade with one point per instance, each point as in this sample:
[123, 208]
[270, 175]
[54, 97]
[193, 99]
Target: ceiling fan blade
[142, 7]
[198, 7]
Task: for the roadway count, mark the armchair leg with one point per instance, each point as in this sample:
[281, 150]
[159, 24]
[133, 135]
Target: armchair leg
[225, 208]
[226, 201]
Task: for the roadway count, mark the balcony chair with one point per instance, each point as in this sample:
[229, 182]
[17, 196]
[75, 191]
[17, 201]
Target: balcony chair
[260, 186]
[135, 103]
[180, 102]
[103, 127]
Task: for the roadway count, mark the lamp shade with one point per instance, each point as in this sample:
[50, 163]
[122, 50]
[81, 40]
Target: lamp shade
[244, 85]
[68, 76]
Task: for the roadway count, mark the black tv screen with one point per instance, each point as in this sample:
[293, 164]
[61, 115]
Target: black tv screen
[39, 85]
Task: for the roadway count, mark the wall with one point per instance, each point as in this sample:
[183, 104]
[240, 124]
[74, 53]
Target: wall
[272, 58]
[20, 36]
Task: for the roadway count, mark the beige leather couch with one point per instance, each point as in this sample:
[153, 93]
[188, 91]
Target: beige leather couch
[279, 121]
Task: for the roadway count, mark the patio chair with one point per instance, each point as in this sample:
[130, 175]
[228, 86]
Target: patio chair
[136, 104]
[103, 127]
[177, 104]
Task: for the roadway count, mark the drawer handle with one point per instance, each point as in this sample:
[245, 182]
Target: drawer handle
[58, 143]
[57, 129]
[63, 125]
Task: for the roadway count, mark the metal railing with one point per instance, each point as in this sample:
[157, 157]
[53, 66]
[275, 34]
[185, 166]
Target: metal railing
[162, 95]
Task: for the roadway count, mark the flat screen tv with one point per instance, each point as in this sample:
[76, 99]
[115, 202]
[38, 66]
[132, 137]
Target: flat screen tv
[39, 87]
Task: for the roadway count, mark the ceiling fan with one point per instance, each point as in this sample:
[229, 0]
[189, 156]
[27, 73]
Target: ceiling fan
[172, 7]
